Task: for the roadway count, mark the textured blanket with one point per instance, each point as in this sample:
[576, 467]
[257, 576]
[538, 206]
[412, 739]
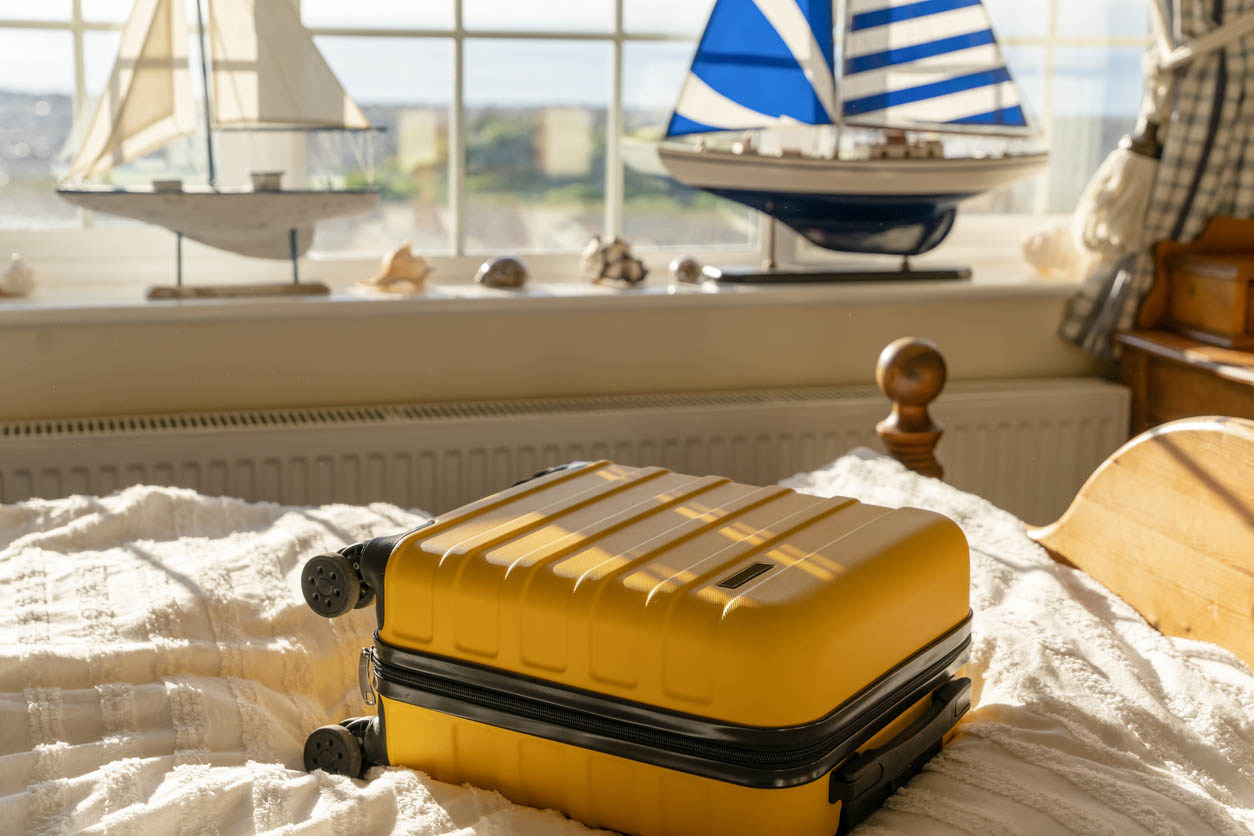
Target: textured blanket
[159, 672]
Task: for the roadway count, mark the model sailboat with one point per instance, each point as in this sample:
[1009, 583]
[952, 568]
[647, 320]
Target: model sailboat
[267, 74]
[909, 68]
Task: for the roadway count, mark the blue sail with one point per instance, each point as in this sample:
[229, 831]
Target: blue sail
[926, 64]
[760, 63]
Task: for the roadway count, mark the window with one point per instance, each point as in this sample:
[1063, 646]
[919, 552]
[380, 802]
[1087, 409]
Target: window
[501, 115]
[1078, 63]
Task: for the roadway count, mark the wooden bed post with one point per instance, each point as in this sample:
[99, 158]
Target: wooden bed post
[911, 373]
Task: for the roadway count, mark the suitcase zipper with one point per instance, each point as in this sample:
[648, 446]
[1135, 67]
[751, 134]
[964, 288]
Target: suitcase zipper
[617, 729]
[775, 762]
[366, 676]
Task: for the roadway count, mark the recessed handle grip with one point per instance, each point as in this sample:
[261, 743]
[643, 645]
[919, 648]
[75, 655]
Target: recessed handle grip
[868, 778]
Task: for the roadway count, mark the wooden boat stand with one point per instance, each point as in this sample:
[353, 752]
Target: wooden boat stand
[237, 291]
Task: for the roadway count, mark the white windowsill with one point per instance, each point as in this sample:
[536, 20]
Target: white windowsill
[103, 280]
[87, 343]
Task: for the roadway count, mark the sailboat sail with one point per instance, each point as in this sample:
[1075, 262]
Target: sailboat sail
[927, 64]
[909, 64]
[760, 63]
[148, 101]
[267, 70]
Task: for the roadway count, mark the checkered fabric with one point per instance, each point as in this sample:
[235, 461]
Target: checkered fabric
[1207, 169]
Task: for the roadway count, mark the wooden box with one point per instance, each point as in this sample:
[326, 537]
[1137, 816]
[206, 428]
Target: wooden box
[1210, 297]
[1175, 377]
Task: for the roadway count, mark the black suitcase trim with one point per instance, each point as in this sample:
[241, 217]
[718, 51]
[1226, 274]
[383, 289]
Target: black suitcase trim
[754, 756]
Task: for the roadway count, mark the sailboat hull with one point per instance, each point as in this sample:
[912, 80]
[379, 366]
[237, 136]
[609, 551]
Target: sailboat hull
[251, 223]
[881, 206]
[857, 223]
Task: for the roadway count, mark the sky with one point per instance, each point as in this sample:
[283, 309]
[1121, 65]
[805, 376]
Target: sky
[499, 72]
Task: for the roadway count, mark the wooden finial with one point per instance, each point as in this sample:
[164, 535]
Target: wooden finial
[911, 373]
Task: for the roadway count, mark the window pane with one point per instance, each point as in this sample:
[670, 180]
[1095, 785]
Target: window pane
[36, 112]
[1019, 19]
[111, 11]
[380, 14]
[1096, 97]
[684, 17]
[659, 211]
[1027, 67]
[403, 85]
[1103, 18]
[553, 15]
[535, 143]
[42, 10]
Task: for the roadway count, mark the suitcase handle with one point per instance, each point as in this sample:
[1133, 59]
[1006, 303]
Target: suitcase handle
[554, 469]
[870, 777]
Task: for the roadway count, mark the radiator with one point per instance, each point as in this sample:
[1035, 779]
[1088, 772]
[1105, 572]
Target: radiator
[1025, 445]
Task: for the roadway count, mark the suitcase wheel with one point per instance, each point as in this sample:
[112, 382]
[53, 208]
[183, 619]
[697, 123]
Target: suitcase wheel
[333, 749]
[330, 585]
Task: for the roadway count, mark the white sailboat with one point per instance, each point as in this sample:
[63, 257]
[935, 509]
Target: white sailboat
[908, 70]
[267, 74]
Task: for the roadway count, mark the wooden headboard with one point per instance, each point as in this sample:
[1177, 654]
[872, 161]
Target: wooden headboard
[1166, 523]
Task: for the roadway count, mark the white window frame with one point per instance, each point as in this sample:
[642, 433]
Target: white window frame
[457, 257]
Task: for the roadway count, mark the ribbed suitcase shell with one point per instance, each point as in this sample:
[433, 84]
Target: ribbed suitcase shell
[753, 606]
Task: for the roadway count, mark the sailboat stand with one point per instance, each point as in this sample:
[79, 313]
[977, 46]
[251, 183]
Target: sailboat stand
[238, 291]
[771, 273]
[267, 74]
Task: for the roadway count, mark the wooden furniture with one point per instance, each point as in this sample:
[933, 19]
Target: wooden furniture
[1186, 357]
[911, 373]
[1211, 297]
[1223, 237]
[1173, 377]
[1166, 523]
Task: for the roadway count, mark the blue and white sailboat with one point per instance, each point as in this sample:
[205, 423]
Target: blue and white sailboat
[912, 69]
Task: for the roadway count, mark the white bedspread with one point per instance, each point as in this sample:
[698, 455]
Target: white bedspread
[159, 672]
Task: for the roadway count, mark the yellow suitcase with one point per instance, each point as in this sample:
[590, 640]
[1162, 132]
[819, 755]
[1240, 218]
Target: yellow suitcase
[656, 653]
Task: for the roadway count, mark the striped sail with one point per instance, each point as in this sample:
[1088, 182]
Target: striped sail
[929, 64]
[760, 63]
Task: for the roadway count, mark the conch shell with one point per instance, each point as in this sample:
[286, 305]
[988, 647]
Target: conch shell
[400, 271]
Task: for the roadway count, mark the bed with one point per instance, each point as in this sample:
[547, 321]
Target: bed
[160, 670]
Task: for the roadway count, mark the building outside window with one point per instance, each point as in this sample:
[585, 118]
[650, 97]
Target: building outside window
[501, 117]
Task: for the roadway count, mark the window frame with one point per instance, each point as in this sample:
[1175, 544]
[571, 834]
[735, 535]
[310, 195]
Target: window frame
[616, 36]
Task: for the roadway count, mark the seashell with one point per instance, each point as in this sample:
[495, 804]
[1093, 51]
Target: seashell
[400, 271]
[503, 271]
[609, 258]
[686, 269]
[19, 279]
[1053, 252]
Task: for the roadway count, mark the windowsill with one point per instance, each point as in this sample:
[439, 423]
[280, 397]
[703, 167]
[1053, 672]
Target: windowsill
[124, 303]
[109, 284]
[88, 343]
[98, 348]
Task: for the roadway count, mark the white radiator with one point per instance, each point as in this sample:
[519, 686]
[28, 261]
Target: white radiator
[1026, 445]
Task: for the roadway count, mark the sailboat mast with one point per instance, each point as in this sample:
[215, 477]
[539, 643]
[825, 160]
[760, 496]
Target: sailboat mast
[204, 74]
[841, 10]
